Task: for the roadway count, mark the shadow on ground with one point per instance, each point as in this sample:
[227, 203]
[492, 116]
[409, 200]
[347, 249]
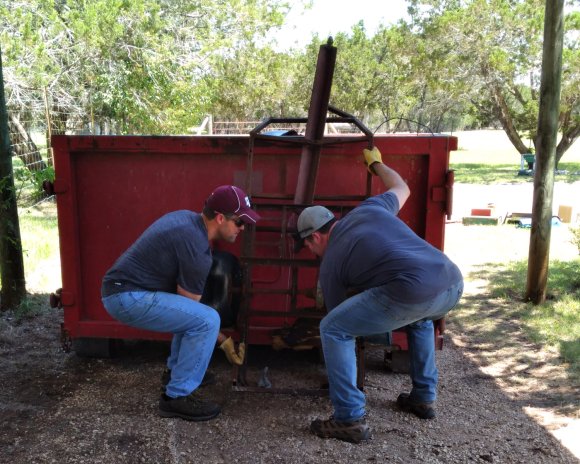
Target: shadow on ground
[490, 326]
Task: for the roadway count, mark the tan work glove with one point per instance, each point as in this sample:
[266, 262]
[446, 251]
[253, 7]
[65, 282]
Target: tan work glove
[371, 157]
[229, 349]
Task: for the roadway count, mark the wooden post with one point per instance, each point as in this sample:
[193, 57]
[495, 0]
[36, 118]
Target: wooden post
[48, 129]
[539, 252]
[11, 261]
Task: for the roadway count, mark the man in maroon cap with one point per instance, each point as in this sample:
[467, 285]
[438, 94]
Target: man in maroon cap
[157, 285]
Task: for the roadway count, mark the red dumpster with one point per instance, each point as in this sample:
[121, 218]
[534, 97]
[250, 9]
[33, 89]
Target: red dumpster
[110, 188]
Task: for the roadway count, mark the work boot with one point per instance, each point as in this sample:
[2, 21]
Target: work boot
[208, 379]
[190, 407]
[353, 432]
[421, 410]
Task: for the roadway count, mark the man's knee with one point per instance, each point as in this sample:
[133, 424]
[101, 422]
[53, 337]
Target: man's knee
[324, 325]
[206, 320]
[330, 327]
[213, 320]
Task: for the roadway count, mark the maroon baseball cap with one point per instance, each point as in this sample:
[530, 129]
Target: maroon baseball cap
[229, 199]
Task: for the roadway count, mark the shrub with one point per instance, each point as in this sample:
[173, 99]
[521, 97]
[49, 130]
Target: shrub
[576, 237]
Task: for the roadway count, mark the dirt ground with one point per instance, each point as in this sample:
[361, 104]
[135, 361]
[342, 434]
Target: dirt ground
[505, 402]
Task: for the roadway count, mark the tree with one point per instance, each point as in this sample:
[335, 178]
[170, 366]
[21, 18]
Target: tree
[127, 66]
[494, 57]
[371, 75]
[11, 262]
[395, 78]
[547, 134]
[253, 83]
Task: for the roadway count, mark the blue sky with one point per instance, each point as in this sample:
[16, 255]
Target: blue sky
[327, 17]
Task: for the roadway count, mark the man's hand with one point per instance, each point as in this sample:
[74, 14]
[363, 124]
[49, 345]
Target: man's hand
[371, 157]
[229, 349]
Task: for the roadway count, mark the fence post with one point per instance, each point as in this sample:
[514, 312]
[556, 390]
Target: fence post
[48, 129]
[11, 261]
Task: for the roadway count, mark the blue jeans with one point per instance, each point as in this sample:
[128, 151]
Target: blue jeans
[195, 328]
[372, 312]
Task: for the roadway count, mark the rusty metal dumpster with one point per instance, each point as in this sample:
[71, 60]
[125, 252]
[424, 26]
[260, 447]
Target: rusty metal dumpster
[110, 188]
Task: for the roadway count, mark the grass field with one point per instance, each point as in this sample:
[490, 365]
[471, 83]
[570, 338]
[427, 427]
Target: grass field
[487, 157]
[492, 147]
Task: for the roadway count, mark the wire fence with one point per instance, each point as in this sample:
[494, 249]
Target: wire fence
[32, 157]
[244, 127]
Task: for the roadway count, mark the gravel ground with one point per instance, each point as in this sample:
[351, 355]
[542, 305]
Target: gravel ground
[496, 403]
[58, 408]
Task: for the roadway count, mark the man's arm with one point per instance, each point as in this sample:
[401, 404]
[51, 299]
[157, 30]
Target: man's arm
[183, 292]
[391, 178]
[393, 182]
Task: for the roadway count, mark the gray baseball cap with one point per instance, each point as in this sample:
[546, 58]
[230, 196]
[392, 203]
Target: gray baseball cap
[312, 219]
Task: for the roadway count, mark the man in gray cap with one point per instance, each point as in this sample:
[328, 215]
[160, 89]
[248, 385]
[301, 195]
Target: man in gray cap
[401, 281]
[157, 285]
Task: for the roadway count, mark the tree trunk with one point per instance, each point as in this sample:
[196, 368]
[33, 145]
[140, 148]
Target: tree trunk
[568, 138]
[505, 119]
[539, 253]
[11, 261]
[23, 145]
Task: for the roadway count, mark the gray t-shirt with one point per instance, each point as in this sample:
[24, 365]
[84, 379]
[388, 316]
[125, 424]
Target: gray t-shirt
[371, 247]
[174, 250]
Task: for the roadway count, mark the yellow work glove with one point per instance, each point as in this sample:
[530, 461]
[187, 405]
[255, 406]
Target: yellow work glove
[229, 349]
[371, 157]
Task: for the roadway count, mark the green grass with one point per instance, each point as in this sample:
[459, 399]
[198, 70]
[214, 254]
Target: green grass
[487, 157]
[28, 184]
[486, 174]
[493, 147]
[39, 237]
[40, 245]
[32, 306]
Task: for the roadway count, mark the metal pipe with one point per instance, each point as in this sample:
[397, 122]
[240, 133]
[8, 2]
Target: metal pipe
[315, 125]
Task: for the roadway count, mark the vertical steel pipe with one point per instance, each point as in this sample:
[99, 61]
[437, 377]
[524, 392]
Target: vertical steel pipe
[315, 125]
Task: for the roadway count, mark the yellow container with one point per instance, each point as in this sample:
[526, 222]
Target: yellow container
[565, 213]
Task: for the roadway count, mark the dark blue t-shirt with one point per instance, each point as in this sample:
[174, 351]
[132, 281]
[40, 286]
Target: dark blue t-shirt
[174, 250]
[371, 247]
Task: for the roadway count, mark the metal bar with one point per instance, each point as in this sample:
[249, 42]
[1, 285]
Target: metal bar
[282, 391]
[262, 125]
[354, 121]
[316, 143]
[294, 290]
[343, 117]
[308, 292]
[273, 291]
[360, 357]
[310, 313]
[281, 261]
[316, 121]
[275, 196]
[250, 167]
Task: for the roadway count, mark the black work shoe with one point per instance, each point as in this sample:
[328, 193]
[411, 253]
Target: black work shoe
[422, 410]
[190, 407]
[208, 379]
[354, 432]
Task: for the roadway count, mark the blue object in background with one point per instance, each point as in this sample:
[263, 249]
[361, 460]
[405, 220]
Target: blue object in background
[526, 223]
